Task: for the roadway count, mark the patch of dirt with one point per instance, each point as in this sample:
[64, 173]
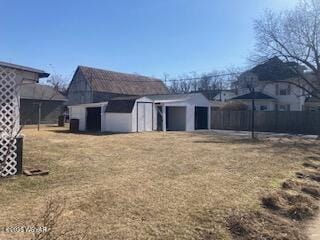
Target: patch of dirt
[307, 187]
[311, 165]
[291, 205]
[262, 225]
[296, 202]
[313, 158]
[313, 175]
[313, 191]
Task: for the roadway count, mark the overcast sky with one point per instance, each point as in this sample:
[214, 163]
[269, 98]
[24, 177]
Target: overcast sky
[148, 37]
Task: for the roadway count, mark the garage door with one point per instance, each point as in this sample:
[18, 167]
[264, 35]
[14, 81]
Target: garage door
[176, 118]
[201, 118]
[93, 120]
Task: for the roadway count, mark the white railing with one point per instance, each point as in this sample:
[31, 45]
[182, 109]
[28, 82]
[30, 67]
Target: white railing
[9, 121]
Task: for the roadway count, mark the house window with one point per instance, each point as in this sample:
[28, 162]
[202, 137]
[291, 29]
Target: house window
[283, 92]
[263, 108]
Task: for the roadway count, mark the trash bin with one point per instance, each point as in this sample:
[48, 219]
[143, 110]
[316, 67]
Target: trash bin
[74, 125]
[61, 121]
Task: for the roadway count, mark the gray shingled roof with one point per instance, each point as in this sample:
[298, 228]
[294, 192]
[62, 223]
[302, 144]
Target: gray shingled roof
[274, 70]
[122, 83]
[255, 95]
[42, 74]
[40, 92]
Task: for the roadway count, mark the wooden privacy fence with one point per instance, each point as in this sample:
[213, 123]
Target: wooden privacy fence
[285, 122]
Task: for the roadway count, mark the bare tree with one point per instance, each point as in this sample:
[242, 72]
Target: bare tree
[205, 82]
[232, 79]
[174, 87]
[58, 82]
[183, 84]
[294, 37]
[192, 82]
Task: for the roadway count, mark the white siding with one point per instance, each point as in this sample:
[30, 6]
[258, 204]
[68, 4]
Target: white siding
[118, 122]
[195, 101]
[190, 118]
[79, 112]
[293, 98]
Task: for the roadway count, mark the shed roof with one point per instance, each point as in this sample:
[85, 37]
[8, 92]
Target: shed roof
[42, 74]
[120, 106]
[40, 92]
[253, 95]
[115, 82]
[174, 97]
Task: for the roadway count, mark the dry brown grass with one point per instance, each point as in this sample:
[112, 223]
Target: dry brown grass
[150, 185]
[261, 225]
[295, 206]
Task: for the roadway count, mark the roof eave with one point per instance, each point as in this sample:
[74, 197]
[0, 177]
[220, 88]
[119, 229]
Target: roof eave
[44, 75]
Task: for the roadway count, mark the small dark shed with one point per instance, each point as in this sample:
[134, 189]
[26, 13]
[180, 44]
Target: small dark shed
[35, 98]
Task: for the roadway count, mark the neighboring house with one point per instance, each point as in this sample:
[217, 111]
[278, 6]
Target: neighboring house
[224, 95]
[263, 102]
[166, 112]
[35, 98]
[26, 74]
[271, 82]
[91, 85]
[209, 93]
[33, 95]
[217, 95]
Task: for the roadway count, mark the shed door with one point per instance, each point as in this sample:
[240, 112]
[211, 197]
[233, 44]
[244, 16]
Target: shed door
[201, 118]
[144, 116]
[93, 122]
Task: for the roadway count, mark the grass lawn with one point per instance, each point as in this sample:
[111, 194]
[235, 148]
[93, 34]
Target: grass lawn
[149, 185]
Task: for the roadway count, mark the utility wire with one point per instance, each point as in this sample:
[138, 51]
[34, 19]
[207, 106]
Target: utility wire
[176, 80]
[204, 76]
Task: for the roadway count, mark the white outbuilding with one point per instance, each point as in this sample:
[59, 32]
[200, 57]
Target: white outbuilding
[168, 112]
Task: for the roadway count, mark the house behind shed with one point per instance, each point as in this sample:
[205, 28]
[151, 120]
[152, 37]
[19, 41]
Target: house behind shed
[43, 99]
[34, 97]
[93, 85]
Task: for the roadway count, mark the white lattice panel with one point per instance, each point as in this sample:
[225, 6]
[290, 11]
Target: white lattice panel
[9, 121]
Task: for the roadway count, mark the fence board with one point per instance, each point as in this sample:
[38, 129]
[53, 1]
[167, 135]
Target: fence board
[285, 122]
